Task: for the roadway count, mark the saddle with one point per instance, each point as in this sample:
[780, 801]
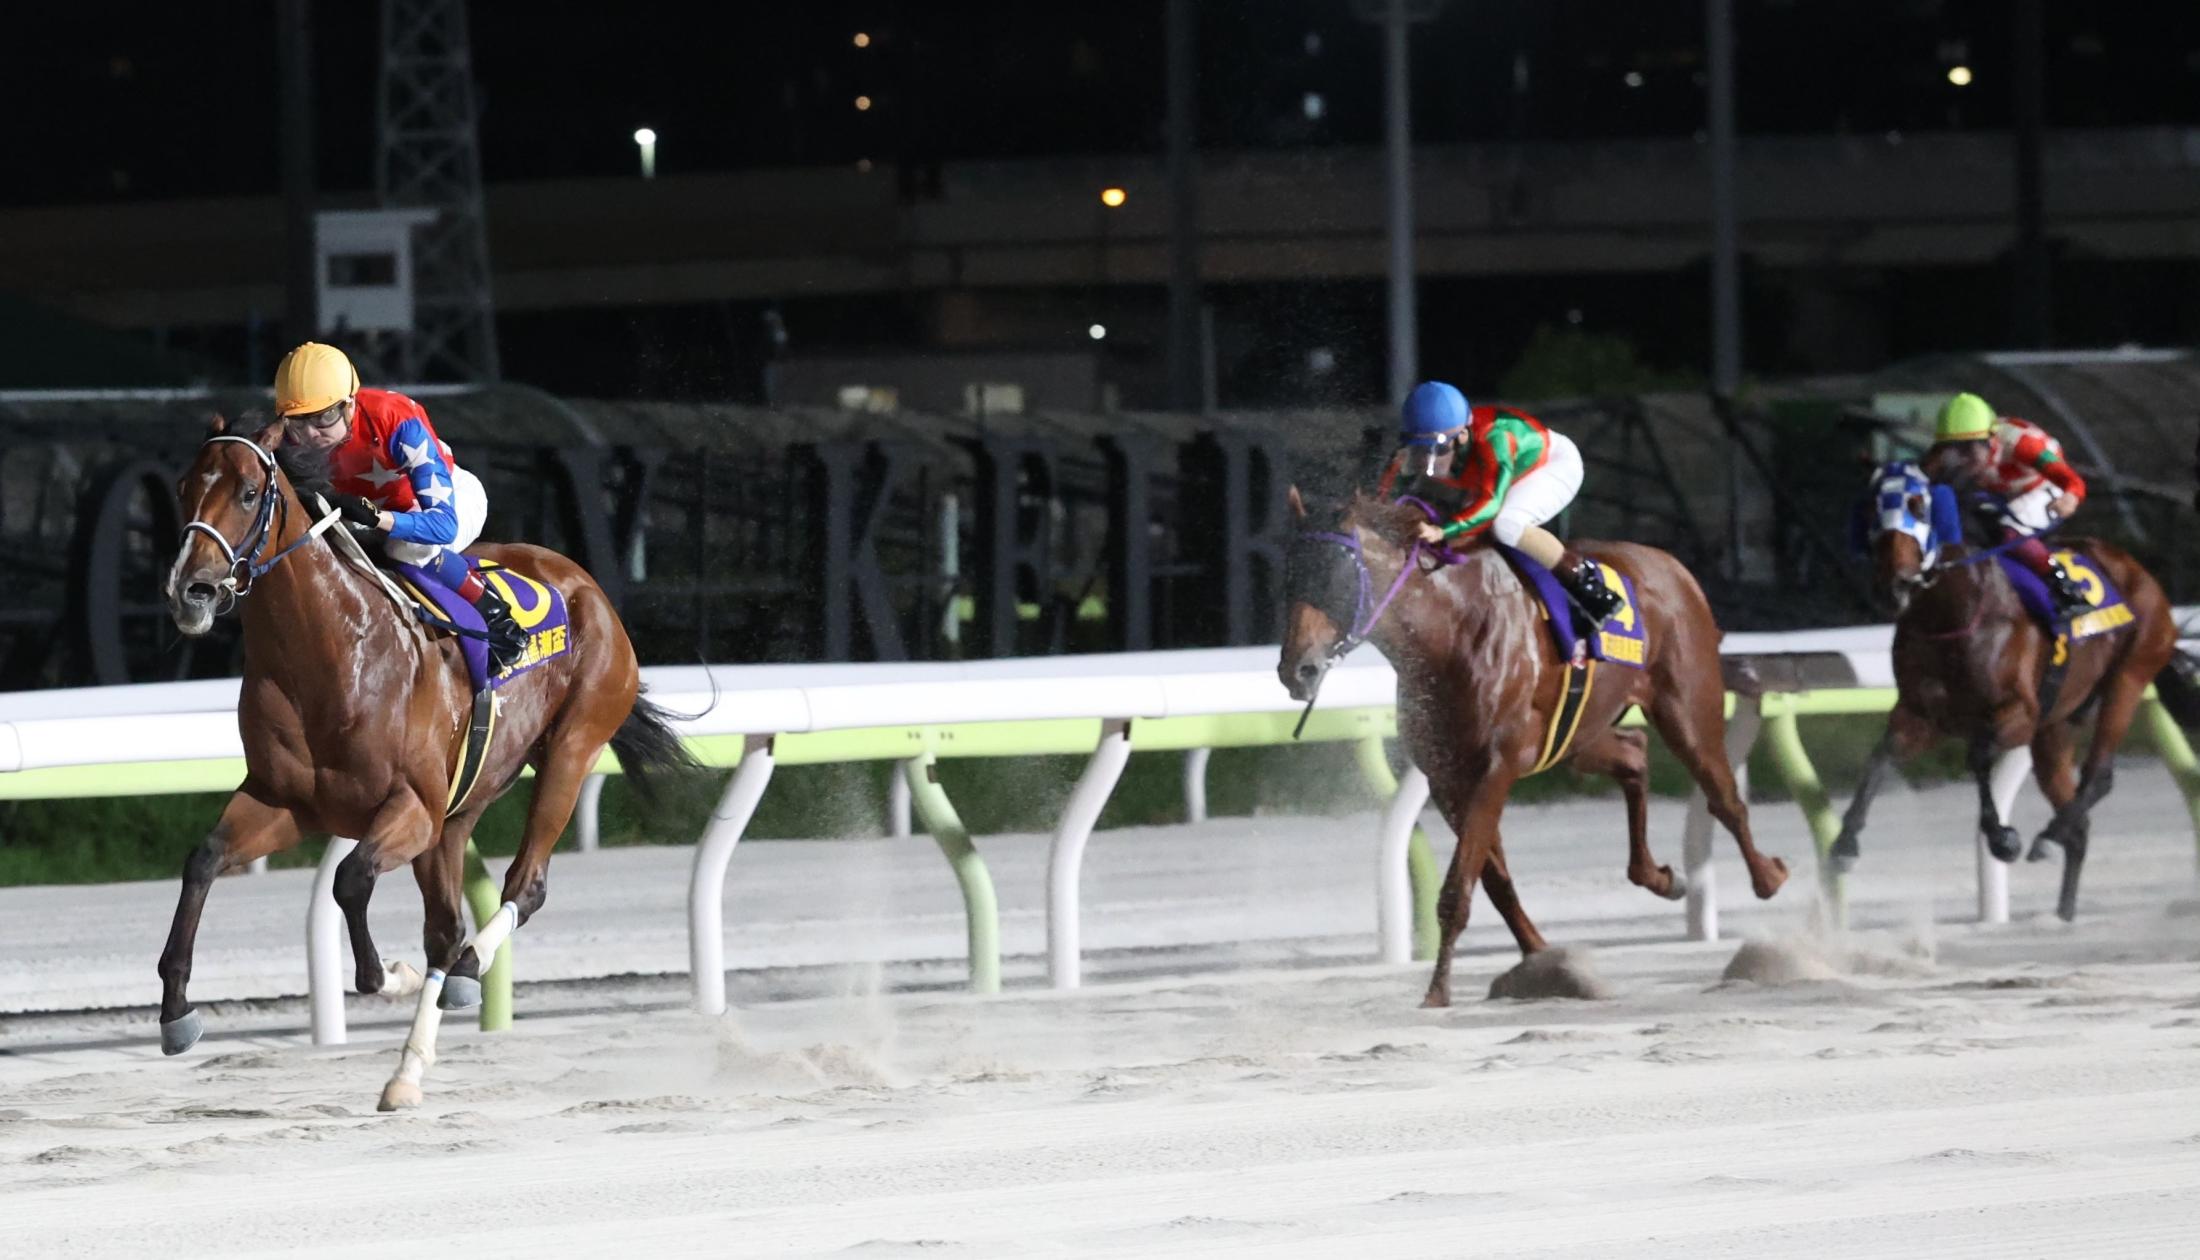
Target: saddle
[1621, 640]
[2106, 610]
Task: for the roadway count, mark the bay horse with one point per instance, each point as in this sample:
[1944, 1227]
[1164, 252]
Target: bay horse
[352, 718]
[1480, 679]
[1971, 663]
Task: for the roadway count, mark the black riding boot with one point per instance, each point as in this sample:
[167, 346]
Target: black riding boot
[1585, 582]
[507, 642]
[2069, 596]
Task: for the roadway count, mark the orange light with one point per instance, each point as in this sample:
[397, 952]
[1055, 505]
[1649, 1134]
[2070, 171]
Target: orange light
[863, 40]
[1113, 197]
[862, 103]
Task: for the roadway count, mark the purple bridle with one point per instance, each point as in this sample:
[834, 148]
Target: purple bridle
[1364, 619]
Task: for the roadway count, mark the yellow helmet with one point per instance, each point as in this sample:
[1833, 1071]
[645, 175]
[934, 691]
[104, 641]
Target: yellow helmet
[1964, 418]
[313, 378]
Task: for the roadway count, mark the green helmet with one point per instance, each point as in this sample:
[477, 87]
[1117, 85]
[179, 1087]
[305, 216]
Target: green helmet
[1964, 418]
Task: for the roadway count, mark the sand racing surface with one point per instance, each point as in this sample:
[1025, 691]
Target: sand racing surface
[1236, 1077]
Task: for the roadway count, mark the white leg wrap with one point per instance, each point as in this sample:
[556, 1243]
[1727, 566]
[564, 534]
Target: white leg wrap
[404, 1088]
[493, 933]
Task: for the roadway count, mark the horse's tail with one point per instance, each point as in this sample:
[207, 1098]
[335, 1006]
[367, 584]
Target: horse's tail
[2179, 687]
[647, 747]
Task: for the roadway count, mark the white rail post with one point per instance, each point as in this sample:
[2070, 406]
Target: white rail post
[587, 824]
[1066, 859]
[325, 948]
[1697, 834]
[1993, 876]
[1393, 879]
[897, 805]
[1195, 783]
[707, 883]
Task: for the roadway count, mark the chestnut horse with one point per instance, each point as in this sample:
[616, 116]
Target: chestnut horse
[1971, 664]
[1480, 678]
[352, 717]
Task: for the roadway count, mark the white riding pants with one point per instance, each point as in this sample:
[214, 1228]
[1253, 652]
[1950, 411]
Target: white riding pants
[1542, 494]
[2028, 511]
[470, 500]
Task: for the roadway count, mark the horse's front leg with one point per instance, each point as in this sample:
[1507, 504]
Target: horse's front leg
[1473, 800]
[1906, 736]
[249, 828]
[2001, 838]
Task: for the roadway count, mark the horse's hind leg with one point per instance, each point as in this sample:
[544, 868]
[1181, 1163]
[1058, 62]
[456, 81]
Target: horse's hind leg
[1694, 727]
[1906, 736]
[1497, 882]
[558, 779]
[2069, 827]
[249, 828]
[1623, 756]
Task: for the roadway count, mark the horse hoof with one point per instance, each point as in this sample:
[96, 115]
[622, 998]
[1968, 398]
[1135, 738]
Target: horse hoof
[459, 993]
[2040, 850]
[399, 1096]
[400, 979]
[1765, 887]
[1676, 886]
[1841, 861]
[181, 1033]
[2005, 844]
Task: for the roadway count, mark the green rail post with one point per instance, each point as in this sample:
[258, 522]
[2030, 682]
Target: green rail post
[483, 895]
[1420, 860]
[946, 827]
[1801, 777]
[2176, 753]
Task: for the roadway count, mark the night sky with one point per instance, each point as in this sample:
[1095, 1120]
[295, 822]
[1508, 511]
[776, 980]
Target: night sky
[179, 100]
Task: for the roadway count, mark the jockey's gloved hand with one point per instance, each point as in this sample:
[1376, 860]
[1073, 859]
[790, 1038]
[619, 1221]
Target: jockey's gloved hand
[357, 511]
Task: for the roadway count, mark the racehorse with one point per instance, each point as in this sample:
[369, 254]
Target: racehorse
[1971, 663]
[1481, 680]
[352, 718]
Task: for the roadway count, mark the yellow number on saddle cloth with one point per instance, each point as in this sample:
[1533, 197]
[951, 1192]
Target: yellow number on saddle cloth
[531, 603]
[2107, 615]
[1628, 646]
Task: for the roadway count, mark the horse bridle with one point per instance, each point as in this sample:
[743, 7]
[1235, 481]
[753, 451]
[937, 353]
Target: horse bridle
[272, 513]
[1364, 619]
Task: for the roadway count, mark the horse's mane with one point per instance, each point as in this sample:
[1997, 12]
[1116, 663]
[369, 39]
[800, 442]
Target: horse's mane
[305, 466]
[1394, 522]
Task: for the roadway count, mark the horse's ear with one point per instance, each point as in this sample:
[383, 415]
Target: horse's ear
[1298, 504]
[272, 436]
[218, 424]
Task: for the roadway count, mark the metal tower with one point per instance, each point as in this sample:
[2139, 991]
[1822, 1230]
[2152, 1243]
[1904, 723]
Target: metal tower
[430, 158]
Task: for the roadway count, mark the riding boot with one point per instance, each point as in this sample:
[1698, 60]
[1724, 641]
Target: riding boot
[1584, 580]
[2069, 596]
[507, 642]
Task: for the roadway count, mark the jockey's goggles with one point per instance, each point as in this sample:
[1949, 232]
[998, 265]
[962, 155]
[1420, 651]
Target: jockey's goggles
[1438, 446]
[328, 417]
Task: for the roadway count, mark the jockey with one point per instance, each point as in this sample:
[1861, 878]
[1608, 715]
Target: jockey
[2024, 469]
[393, 475]
[1496, 469]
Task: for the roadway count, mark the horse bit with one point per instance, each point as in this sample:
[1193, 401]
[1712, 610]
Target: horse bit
[272, 512]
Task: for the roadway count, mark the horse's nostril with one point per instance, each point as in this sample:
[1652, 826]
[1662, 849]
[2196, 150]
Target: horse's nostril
[1307, 669]
[199, 593]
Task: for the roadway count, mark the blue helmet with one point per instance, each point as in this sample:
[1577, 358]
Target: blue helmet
[1434, 413]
